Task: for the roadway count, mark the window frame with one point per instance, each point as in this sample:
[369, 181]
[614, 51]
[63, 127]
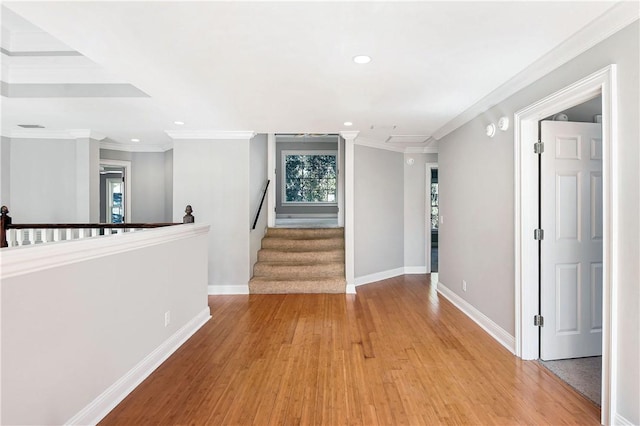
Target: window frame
[283, 165]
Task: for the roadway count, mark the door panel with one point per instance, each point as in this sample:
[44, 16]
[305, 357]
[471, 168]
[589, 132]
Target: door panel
[571, 252]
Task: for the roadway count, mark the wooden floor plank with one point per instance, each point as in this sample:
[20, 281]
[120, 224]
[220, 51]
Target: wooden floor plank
[395, 353]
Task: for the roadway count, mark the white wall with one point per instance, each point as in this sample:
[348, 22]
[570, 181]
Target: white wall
[213, 177]
[477, 202]
[378, 210]
[83, 321]
[415, 213]
[257, 181]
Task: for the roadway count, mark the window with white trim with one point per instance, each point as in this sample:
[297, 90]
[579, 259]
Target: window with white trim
[310, 177]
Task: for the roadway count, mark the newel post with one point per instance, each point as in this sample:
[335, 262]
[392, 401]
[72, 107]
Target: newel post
[188, 217]
[5, 221]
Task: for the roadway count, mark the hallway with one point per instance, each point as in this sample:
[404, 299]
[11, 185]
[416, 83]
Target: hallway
[395, 353]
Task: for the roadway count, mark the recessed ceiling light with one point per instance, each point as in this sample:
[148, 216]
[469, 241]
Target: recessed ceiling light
[179, 123]
[362, 59]
[348, 123]
[135, 140]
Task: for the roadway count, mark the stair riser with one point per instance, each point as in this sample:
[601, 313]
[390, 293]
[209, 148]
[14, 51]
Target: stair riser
[305, 233]
[298, 271]
[282, 287]
[302, 245]
[271, 255]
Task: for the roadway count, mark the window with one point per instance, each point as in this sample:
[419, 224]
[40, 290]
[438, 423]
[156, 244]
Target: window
[310, 177]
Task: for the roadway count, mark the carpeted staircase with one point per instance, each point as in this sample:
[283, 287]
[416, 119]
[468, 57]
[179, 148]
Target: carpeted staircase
[306, 260]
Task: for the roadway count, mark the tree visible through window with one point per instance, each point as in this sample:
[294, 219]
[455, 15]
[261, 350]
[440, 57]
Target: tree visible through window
[310, 178]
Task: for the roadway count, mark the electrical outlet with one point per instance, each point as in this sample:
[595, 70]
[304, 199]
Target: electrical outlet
[167, 318]
[464, 285]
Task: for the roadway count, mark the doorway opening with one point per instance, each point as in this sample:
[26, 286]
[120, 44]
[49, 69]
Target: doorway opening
[527, 257]
[115, 190]
[434, 217]
[570, 209]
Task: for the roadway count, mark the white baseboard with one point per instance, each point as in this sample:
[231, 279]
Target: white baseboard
[497, 332]
[621, 421]
[114, 394]
[351, 289]
[227, 289]
[412, 270]
[307, 216]
[385, 275]
[379, 276]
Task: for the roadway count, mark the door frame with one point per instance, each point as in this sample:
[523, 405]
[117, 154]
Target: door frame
[127, 183]
[427, 222]
[527, 292]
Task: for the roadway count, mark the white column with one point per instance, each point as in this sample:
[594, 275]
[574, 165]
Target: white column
[271, 173]
[349, 241]
[87, 179]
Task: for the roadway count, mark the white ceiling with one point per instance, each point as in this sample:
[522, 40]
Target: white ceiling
[281, 67]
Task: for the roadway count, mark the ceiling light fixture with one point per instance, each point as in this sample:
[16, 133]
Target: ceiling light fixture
[179, 123]
[135, 140]
[348, 123]
[362, 59]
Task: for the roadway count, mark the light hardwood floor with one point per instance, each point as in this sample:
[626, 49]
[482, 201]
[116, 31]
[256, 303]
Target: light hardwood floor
[394, 354]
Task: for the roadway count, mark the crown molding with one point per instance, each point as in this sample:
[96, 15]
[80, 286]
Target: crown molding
[135, 147]
[612, 21]
[209, 134]
[54, 134]
[421, 150]
[371, 143]
[350, 134]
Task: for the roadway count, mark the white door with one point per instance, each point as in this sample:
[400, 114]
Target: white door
[571, 250]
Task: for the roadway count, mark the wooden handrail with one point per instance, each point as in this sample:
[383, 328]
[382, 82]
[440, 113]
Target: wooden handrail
[264, 194]
[89, 225]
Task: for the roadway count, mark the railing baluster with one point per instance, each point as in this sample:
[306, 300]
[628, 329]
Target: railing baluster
[12, 236]
[32, 236]
[94, 232]
[69, 234]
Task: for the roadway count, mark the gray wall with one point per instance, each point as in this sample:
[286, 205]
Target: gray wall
[5, 156]
[147, 186]
[168, 185]
[50, 181]
[284, 210]
[477, 199]
[213, 176]
[378, 210]
[257, 181]
[150, 199]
